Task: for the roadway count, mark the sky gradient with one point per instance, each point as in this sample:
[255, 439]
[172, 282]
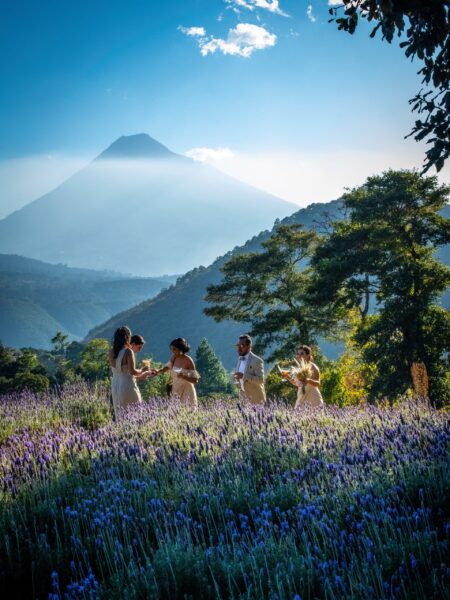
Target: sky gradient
[270, 92]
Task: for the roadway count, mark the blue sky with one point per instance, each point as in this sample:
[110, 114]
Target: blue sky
[287, 103]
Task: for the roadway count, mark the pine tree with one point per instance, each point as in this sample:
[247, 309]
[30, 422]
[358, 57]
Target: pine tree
[214, 378]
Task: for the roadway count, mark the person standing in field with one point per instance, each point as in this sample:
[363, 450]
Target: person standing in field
[184, 375]
[124, 389]
[308, 393]
[249, 373]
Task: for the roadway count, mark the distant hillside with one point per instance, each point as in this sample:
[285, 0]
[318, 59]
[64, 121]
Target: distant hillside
[139, 208]
[178, 311]
[38, 299]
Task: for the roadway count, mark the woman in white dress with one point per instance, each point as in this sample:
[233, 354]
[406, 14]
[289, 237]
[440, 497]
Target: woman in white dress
[184, 376]
[308, 393]
[124, 389]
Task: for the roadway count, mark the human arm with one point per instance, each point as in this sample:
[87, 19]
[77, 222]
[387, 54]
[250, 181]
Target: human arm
[146, 375]
[290, 379]
[130, 361]
[193, 376]
[167, 367]
[314, 380]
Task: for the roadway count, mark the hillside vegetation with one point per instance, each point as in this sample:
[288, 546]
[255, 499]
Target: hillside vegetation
[38, 299]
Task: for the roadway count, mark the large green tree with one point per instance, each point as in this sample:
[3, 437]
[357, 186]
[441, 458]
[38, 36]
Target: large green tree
[266, 290]
[94, 360]
[387, 246]
[424, 29]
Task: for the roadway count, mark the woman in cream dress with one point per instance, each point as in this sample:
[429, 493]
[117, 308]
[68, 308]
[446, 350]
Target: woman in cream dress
[183, 373]
[124, 389]
[308, 393]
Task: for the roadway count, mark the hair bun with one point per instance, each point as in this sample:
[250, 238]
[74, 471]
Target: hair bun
[181, 344]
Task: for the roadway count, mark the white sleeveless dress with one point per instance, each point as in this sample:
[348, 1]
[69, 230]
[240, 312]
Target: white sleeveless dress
[124, 388]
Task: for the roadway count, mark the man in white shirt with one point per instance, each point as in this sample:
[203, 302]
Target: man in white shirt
[250, 372]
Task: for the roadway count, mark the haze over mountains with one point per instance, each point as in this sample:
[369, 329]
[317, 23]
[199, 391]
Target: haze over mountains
[139, 208]
[38, 299]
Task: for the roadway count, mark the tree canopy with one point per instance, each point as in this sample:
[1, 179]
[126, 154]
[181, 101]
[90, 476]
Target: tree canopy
[267, 290]
[387, 247]
[424, 29]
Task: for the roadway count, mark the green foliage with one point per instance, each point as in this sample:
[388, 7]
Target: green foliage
[94, 364]
[387, 247]
[21, 371]
[30, 381]
[424, 28]
[345, 382]
[73, 352]
[157, 387]
[278, 389]
[267, 289]
[60, 343]
[214, 377]
[8, 365]
[63, 367]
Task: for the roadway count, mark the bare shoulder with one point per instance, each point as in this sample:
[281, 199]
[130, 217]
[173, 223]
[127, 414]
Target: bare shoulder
[315, 368]
[189, 363]
[128, 353]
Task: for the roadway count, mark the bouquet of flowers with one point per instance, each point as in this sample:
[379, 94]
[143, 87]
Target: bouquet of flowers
[299, 373]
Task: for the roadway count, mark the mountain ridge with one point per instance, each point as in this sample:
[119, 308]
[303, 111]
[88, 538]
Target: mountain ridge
[139, 145]
[39, 299]
[163, 214]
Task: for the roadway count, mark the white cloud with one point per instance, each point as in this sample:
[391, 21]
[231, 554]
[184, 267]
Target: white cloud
[309, 12]
[193, 31]
[203, 154]
[335, 2]
[241, 41]
[272, 6]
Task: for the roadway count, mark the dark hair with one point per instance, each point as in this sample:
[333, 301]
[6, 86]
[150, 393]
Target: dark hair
[181, 344]
[306, 350]
[137, 339]
[246, 338]
[122, 336]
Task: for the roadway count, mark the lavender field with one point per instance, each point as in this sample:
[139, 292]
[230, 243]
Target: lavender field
[224, 502]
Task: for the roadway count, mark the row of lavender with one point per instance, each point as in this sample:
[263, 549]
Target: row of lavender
[224, 502]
